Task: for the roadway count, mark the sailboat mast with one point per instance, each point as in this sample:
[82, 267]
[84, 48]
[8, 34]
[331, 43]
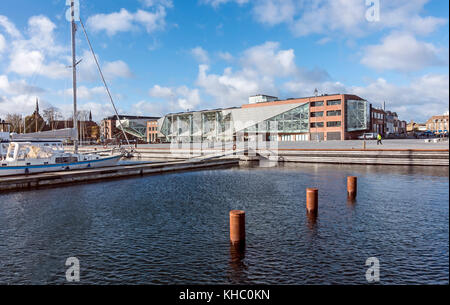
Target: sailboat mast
[74, 77]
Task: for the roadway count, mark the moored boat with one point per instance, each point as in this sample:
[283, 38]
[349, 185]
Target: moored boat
[28, 158]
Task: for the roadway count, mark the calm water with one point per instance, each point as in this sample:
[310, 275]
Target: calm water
[173, 229]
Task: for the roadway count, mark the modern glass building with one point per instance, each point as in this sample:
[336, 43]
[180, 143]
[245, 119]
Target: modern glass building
[326, 117]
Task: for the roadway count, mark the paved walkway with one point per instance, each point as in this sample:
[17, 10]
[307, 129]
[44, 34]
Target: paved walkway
[350, 144]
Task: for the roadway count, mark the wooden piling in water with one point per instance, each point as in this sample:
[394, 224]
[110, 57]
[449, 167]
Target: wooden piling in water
[352, 187]
[237, 227]
[312, 200]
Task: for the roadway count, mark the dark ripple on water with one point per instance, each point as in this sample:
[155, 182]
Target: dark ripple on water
[173, 229]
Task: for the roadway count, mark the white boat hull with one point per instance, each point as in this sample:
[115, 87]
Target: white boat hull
[34, 169]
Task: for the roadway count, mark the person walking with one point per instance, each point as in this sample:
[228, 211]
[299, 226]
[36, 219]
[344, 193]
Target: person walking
[379, 139]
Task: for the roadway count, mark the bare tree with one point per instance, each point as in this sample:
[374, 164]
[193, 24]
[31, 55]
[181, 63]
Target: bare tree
[16, 122]
[51, 115]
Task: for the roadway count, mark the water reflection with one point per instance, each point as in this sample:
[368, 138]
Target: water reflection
[165, 228]
[311, 221]
[351, 201]
[237, 271]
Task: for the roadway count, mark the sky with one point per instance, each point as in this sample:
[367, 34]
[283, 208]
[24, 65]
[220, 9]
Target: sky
[163, 56]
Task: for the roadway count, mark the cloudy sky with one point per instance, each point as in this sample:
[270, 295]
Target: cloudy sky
[162, 56]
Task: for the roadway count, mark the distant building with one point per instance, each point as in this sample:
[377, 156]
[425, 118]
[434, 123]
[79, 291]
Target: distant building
[325, 117]
[413, 127]
[87, 130]
[402, 127]
[35, 122]
[391, 123]
[378, 117]
[135, 128]
[438, 123]
[5, 127]
[152, 131]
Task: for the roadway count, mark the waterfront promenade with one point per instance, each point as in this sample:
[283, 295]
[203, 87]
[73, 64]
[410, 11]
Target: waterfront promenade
[391, 153]
[350, 144]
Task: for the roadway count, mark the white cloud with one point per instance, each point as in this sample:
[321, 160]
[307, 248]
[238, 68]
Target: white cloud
[152, 21]
[177, 99]
[232, 88]
[29, 56]
[85, 93]
[21, 104]
[27, 63]
[146, 108]
[200, 54]
[9, 27]
[99, 110]
[161, 92]
[402, 52]
[216, 3]
[274, 12]
[2, 43]
[261, 67]
[340, 17]
[41, 33]
[405, 15]
[124, 21]
[88, 72]
[150, 3]
[17, 87]
[117, 69]
[225, 56]
[423, 97]
[270, 60]
[112, 23]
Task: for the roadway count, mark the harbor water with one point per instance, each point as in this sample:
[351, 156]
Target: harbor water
[174, 228]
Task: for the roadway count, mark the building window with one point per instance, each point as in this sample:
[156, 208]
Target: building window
[316, 124]
[316, 104]
[333, 113]
[333, 102]
[334, 124]
[316, 114]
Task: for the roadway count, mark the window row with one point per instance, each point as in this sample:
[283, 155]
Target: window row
[329, 113]
[329, 124]
[329, 103]
[377, 115]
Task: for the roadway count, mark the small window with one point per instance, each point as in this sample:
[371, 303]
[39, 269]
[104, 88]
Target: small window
[4, 165]
[316, 114]
[334, 124]
[316, 124]
[45, 163]
[316, 104]
[333, 113]
[333, 102]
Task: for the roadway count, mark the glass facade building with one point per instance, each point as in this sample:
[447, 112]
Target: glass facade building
[336, 117]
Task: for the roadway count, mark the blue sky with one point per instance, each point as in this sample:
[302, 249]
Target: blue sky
[163, 56]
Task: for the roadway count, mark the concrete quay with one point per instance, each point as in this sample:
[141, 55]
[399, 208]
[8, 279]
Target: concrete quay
[411, 157]
[21, 182]
[414, 154]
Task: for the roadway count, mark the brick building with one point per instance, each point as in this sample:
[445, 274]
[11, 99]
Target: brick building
[152, 131]
[438, 123]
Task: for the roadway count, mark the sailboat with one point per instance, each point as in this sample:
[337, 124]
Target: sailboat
[30, 158]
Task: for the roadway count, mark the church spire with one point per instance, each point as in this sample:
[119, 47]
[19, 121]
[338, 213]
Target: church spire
[37, 106]
[90, 116]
